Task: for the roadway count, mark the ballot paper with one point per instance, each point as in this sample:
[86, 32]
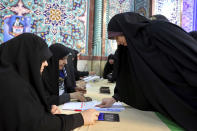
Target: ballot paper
[88, 85]
[79, 106]
[91, 78]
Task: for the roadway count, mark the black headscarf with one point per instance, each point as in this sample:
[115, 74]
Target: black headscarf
[158, 69]
[51, 73]
[74, 54]
[22, 99]
[70, 82]
[193, 34]
[77, 73]
[24, 55]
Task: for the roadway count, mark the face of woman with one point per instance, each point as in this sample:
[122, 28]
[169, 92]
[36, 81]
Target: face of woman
[62, 62]
[121, 40]
[44, 64]
[111, 61]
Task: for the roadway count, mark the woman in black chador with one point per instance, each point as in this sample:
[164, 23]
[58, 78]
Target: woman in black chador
[79, 74]
[157, 68]
[22, 96]
[109, 68]
[57, 80]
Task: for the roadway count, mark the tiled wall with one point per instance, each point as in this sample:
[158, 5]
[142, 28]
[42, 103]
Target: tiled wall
[180, 12]
[62, 21]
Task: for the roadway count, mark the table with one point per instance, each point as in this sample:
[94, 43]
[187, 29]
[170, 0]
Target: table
[131, 119]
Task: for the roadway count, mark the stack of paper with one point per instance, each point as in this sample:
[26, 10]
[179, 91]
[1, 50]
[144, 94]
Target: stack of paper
[116, 107]
[91, 78]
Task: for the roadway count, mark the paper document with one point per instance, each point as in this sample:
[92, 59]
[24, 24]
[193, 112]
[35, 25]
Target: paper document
[116, 107]
[91, 78]
[88, 85]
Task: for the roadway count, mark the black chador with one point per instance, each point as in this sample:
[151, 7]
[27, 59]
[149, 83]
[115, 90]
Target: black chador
[157, 69]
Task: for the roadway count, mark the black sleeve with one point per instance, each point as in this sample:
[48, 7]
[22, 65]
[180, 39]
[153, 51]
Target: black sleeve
[83, 73]
[115, 69]
[69, 85]
[115, 66]
[65, 97]
[116, 95]
[71, 89]
[70, 82]
[71, 121]
[106, 71]
[60, 122]
[58, 100]
[76, 74]
[53, 100]
[79, 74]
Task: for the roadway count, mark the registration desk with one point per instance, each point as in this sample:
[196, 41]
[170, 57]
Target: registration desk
[131, 119]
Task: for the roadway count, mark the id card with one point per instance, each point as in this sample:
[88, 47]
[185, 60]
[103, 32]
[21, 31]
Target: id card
[108, 117]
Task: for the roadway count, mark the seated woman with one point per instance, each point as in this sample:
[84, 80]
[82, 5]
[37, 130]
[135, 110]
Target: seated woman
[79, 74]
[109, 67]
[22, 96]
[55, 77]
[70, 81]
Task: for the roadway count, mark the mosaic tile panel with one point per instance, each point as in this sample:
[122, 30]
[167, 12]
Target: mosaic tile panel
[142, 7]
[63, 21]
[188, 15]
[195, 16]
[119, 6]
[116, 7]
[170, 8]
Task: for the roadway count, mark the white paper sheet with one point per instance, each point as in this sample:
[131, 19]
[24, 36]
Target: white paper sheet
[91, 78]
[116, 107]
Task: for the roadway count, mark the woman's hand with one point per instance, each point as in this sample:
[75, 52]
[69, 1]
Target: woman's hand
[55, 110]
[77, 95]
[107, 102]
[92, 73]
[81, 89]
[90, 116]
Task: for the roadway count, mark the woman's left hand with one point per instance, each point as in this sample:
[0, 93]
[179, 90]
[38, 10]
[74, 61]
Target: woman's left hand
[81, 89]
[55, 110]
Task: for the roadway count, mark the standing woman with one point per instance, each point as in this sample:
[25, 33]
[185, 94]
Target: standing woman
[55, 77]
[22, 96]
[157, 68]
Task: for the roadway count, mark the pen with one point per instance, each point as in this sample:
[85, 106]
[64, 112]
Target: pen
[77, 110]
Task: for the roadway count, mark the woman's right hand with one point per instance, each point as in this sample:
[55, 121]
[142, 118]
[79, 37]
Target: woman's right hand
[77, 95]
[106, 102]
[81, 89]
[90, 116]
